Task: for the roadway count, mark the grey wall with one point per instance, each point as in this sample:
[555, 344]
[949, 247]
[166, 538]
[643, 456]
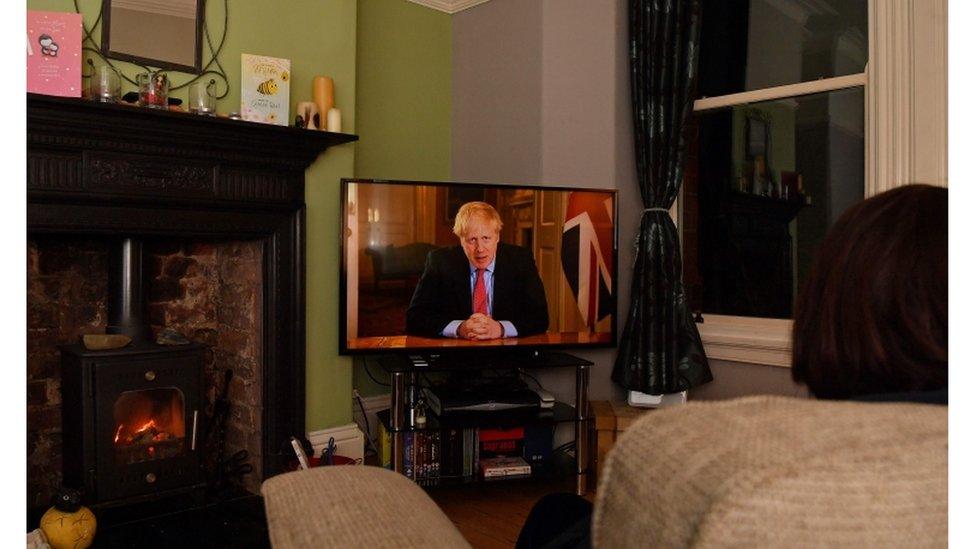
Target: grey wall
[735, 379]
[542, 95]
[496, 115]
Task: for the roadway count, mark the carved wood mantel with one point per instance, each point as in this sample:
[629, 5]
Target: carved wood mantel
[102, 169]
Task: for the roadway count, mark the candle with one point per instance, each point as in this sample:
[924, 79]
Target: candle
[334, 123]
[323, 92]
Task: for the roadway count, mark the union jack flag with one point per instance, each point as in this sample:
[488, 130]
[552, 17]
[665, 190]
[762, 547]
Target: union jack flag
[587, 253]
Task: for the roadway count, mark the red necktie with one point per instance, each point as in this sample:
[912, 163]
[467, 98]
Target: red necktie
[479, 298]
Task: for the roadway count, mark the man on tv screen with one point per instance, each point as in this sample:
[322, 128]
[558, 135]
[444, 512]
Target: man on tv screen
[481, 289]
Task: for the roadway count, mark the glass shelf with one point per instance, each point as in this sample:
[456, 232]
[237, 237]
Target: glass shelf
[496, 360]
[560, 413]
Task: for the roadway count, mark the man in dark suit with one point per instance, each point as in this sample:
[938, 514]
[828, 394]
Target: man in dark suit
[481, 289]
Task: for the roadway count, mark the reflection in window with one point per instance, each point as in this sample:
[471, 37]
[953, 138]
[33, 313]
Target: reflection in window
[755, 44]
[763, 186]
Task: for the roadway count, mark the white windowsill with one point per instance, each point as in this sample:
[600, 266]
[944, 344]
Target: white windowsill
[766, 341]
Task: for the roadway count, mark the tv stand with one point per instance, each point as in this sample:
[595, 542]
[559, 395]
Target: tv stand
[492, 360]
[404, 370]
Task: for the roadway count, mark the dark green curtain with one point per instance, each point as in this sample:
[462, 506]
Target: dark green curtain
[660, 350]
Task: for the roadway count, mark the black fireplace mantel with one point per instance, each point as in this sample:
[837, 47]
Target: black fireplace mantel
[100, 169]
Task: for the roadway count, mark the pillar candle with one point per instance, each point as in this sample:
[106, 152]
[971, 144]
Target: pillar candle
[334, 123]
[323, 92]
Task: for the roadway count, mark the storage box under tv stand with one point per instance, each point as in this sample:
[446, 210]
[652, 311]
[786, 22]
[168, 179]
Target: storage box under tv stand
[404, 370]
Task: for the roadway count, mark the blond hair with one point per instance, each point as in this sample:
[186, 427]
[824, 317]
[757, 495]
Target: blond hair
[475, 209]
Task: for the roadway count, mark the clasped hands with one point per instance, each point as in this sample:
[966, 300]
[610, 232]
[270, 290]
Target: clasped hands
[480, 326]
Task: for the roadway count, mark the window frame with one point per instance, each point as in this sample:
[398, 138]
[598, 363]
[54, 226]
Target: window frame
[760, 340]
[897, 32]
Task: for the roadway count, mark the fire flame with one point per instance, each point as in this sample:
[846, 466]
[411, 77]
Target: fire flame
[146, 417]
[147, 425]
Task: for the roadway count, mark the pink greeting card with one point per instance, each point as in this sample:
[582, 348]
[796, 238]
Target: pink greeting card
[54, 53]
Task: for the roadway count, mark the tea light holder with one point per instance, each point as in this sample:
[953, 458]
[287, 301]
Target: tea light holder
[203, 98]
[105, 85]
[153, 90]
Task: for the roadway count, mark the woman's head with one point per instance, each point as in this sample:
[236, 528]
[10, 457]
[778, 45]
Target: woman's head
[873, 315]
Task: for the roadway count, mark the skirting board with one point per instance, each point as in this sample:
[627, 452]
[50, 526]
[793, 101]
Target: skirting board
[349, 441]
[372, 404]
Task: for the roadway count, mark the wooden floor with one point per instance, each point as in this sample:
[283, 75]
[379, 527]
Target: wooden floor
[490, 514]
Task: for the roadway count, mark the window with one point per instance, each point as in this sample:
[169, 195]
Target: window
[776, 153]
[786, 50]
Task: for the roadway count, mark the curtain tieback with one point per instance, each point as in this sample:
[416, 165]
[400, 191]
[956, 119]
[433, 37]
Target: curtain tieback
[665, 210]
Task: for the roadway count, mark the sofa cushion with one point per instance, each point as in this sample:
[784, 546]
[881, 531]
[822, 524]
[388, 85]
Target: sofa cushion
[354, 506]
[778, 472]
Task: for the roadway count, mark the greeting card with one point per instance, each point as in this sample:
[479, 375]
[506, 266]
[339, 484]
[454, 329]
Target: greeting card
[264, 89]
[54, 53]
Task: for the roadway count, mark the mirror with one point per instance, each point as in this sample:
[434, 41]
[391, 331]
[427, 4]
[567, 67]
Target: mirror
[160, 33]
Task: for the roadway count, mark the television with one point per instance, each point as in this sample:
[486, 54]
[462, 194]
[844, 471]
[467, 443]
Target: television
[409, 284]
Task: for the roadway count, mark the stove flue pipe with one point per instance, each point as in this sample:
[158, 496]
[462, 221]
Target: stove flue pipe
[127, 292]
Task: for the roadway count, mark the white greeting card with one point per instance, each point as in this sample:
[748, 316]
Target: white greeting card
[265, 89]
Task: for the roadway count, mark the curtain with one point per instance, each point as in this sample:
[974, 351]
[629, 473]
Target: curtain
[660, 350]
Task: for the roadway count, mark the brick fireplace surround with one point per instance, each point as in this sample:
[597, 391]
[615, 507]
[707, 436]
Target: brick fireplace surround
[220, 206]
[208, 291]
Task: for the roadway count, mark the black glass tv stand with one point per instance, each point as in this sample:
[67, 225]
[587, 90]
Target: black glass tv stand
[404, 370]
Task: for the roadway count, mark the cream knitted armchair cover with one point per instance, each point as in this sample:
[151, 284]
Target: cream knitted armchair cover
[354, 506]
[778, 472]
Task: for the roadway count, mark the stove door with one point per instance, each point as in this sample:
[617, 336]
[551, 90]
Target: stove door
[147, 425]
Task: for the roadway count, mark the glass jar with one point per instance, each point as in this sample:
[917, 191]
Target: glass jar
[105, 85]
[153, 90]
[203, 98]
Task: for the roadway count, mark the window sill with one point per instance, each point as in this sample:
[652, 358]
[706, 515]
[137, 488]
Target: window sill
[766, 341]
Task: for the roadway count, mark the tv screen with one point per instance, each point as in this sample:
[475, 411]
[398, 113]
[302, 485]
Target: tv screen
[447, 266]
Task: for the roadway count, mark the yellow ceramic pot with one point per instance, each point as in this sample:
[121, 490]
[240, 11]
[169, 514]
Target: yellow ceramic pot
[68, 525]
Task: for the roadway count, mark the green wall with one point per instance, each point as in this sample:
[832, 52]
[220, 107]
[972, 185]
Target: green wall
[403, 98]
[403, 91]
[319, 36]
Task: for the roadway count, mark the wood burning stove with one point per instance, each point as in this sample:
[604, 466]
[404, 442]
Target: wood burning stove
[132, 421]
[132, 417]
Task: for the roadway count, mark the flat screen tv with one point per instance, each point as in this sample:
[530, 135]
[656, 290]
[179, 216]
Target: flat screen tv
[533, 267]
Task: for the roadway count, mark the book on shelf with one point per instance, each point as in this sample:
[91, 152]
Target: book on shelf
[467, 451]
[408, 455]
[421, 465]
[501, 442]
[430, 456]
[448, 457]
[434, 456]
[475, 453]
[420, 441]
[504, 467]
[386, 450]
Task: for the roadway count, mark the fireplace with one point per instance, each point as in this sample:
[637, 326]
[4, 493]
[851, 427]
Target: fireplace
[98, 173]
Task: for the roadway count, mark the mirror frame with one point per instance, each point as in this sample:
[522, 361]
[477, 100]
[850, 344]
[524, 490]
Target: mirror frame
[196, 68]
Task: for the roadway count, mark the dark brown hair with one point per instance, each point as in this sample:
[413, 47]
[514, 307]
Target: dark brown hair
[873, 314]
